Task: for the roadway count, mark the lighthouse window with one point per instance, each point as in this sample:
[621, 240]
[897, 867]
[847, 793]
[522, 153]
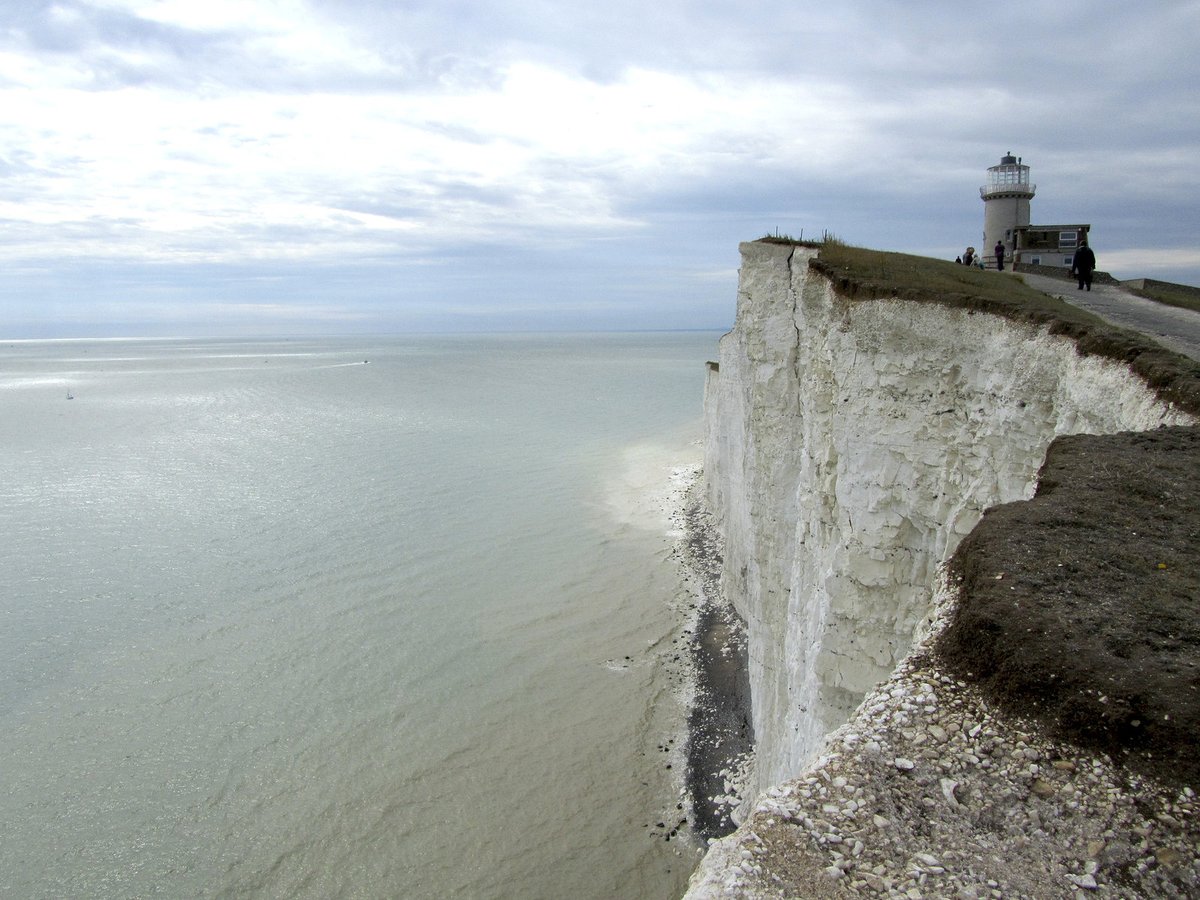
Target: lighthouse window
[1066, 238]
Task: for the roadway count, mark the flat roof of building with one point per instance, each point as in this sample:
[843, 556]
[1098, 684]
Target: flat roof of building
[1053, 227]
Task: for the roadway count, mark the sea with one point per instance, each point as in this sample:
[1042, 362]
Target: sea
[393, 617]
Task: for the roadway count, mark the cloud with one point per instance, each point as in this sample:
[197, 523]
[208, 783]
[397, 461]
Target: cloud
[1147, 261]
[161, 136]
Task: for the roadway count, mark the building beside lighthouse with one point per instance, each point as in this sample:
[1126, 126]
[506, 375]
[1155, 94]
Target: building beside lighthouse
[1006, 197]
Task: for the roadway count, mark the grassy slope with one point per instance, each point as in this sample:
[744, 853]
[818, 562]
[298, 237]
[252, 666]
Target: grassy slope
[860, 274]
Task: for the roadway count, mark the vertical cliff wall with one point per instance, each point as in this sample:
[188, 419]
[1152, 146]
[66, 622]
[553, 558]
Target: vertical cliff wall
[850, 446]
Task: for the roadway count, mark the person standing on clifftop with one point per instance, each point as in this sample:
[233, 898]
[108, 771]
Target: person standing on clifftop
[1083, 264]
[999, 256]
[968, 256]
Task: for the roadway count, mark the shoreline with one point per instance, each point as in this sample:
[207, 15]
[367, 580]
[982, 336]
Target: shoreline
[719, 737]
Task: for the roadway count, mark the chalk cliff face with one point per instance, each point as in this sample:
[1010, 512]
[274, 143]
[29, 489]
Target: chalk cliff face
[850, 446]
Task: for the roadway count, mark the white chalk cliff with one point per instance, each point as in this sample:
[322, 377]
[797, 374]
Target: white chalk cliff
[850, 445]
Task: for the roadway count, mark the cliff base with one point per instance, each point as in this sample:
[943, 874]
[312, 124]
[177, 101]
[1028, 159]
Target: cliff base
[720, 739]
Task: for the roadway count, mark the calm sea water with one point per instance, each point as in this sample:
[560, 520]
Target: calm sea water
[375, 617]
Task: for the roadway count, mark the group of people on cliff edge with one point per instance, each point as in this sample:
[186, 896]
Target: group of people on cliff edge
[969, 258]
[1083, 263]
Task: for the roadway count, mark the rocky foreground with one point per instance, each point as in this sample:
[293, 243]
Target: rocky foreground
[929, 794]
[1061, 765]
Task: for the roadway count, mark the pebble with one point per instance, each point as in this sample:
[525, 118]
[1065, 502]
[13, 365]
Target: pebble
[1167, 856]
[949, 785]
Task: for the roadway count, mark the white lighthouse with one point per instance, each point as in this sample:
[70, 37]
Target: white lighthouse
[1006, 199]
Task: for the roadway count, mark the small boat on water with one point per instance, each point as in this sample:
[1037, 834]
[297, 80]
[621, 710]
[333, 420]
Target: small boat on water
[70, 396]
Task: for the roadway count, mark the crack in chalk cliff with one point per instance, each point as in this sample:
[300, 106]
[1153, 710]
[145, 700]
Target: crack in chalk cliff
[795, 312]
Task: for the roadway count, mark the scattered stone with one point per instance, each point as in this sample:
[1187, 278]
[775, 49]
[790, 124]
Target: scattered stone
[1043, 788]
[1040, 821]
[949, 785]
[1168, 856]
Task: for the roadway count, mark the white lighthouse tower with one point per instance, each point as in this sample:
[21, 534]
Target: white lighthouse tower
[1006, 199]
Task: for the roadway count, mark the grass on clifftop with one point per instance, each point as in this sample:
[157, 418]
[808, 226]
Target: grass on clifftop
[860, 274]
[870, 274]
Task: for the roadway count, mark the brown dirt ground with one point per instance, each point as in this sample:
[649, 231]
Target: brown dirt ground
[1081, 606]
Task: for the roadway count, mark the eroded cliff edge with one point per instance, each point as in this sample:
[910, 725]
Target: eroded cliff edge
[851, 445]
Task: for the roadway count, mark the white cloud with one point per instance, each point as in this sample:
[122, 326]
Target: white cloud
[307, 132]
[172, 171]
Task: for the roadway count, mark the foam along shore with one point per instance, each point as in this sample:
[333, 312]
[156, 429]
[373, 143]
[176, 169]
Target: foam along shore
[648, 487]
[655, 489]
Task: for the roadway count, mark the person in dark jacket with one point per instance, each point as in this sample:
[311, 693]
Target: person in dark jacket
[1083, 264]
[999, 250]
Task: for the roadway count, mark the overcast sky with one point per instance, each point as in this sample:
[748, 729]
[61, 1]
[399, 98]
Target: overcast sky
[298, 166]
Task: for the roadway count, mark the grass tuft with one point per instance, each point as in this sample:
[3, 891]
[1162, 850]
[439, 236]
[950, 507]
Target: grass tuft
[827, 238]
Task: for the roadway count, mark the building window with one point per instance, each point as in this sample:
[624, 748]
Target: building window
[1067, 260]
[1037, 260]
[1067, 238]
